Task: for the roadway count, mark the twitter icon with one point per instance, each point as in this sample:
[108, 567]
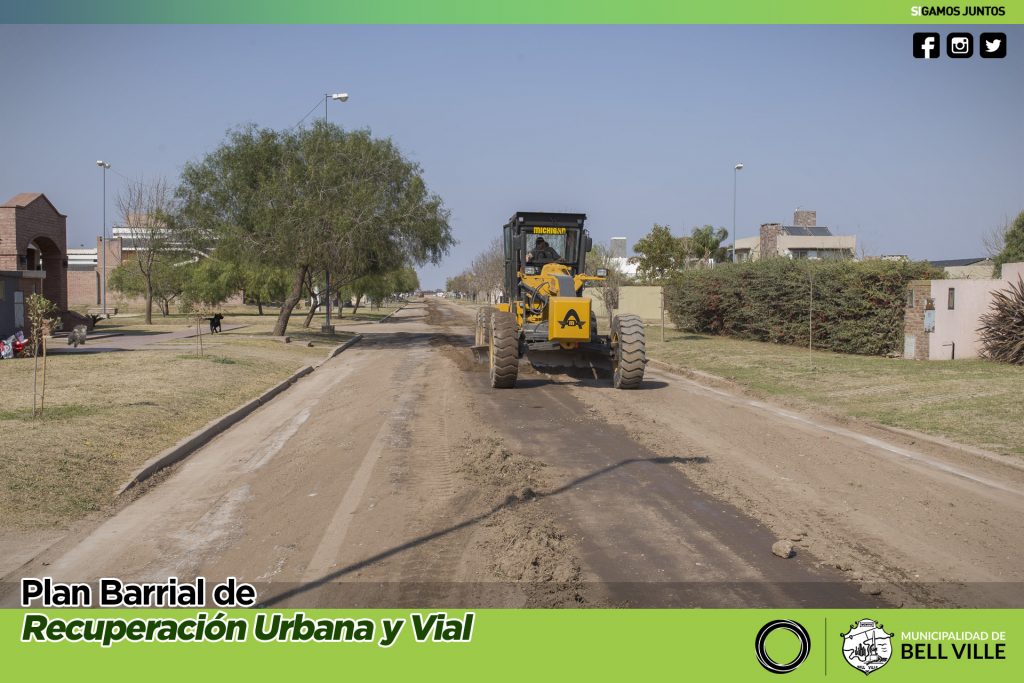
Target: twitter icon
[993, 45]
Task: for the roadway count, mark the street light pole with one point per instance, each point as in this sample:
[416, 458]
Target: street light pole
[735, 172]
[104, 165]
[328, 328]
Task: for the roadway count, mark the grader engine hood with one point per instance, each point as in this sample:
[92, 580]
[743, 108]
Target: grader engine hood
[569, 319]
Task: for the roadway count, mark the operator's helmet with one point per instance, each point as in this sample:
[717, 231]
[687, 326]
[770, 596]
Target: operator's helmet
[541, 242]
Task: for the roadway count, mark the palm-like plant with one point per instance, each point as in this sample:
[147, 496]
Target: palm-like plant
[1002, 328]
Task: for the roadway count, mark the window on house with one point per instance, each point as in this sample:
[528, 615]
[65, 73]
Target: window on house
[951, 304]
[910, 298]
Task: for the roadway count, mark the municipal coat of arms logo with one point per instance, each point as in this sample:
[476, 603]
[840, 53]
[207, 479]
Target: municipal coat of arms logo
[866, 646]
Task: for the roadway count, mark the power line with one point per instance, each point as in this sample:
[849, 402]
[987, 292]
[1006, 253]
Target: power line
[113, 170]
[315, 107]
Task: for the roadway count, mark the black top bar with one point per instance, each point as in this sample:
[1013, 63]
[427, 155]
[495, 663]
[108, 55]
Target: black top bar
[544, 219]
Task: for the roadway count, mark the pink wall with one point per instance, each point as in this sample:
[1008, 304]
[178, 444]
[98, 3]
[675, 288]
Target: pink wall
[959, 326]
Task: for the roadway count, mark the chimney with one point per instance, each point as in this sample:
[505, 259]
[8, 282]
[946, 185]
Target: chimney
[805, 219]
[770, 239]
[618, 249]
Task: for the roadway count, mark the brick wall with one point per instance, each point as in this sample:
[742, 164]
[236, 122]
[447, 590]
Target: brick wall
[83, 288]
[40, 222]
[8, 241]
[919, 294]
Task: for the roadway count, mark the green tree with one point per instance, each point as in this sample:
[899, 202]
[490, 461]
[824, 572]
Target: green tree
[705, 244]
[378, 288]
[263, 284]
[215, 279]
[43, 319]
[1013, 244]
[210, 281]
[167, 277]
[461, 284]
[660, 254]
[310, 200]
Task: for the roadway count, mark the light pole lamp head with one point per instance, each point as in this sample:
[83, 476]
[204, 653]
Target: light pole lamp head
[340, 96]
[102, 164]
[739, 167]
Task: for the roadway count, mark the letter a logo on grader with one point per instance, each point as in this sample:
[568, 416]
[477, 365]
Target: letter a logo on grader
[571, 319]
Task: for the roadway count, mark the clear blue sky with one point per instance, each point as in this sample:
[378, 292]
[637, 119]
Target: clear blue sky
[632, 125]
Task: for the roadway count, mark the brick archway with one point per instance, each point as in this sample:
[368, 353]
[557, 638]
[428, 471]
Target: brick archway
[55, 287]
[31, 219]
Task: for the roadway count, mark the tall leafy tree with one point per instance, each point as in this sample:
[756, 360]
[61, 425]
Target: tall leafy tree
[314, 199]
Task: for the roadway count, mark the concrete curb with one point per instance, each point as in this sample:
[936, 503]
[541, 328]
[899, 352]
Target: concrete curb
[392, 312]
[1007, 460]
[696, 375]
[722, 382]
[197, 439]
[339, 349]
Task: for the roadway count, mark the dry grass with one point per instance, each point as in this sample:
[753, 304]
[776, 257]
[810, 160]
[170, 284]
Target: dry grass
[133, 321]
[975, 402]
[468, 302]
[107, 413]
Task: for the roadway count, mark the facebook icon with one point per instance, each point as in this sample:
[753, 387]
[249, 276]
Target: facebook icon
[926, 45]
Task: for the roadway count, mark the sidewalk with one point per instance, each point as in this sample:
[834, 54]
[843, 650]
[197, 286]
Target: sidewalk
[129, 341]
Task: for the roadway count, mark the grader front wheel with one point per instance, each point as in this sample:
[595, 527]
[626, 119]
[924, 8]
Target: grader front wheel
[630, 352]
[504, 348]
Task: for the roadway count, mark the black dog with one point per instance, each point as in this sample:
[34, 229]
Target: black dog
[215, 323]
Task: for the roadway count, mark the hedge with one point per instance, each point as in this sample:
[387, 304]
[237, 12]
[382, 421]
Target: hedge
[857, 306]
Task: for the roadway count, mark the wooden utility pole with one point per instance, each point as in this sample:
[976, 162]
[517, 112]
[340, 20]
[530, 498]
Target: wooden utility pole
[810, 322]
[663, 313]
[42, 394]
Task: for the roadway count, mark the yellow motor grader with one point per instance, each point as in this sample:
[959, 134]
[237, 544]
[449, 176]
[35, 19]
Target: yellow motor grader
[543, 314]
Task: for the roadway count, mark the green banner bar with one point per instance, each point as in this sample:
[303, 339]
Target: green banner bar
[519, 12]
[533, 645]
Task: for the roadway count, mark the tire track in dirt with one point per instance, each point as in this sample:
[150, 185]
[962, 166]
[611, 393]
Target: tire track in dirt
[646, 536]
[444, 520]
[516, 555]
[917, 534]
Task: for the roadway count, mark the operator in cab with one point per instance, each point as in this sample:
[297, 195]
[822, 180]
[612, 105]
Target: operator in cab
[542, 252]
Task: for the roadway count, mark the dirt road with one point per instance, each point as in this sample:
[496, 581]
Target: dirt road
[394, 476]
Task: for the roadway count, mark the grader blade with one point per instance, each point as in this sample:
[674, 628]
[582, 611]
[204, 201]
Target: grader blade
[577, 364]
[481, 353]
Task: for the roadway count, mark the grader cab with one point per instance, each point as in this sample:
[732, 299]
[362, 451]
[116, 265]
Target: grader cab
[543, 315]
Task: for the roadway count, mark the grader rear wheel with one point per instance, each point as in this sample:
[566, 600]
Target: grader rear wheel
[504, 347]
[630, 352]
[483, 326]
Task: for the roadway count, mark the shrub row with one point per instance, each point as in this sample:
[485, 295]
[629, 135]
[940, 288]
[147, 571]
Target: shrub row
[857, 306]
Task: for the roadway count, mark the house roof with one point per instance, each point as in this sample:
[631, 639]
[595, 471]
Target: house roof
[801, 231]
[20, 201]
[958, 262]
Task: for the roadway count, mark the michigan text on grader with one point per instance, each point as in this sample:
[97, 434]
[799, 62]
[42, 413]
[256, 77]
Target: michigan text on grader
[543, 314]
